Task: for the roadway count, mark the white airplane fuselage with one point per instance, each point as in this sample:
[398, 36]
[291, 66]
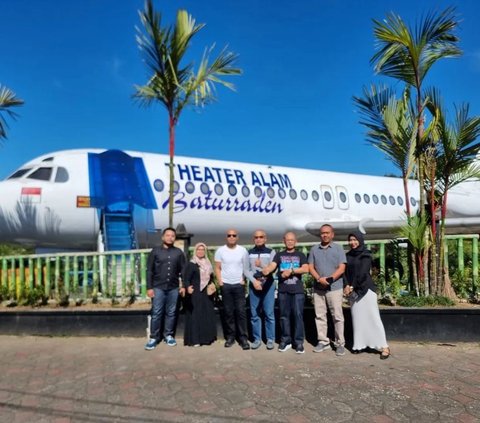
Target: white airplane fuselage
[56, 201]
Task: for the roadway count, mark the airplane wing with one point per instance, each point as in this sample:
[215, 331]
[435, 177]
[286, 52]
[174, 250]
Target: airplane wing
[386, 228]
[383, 228]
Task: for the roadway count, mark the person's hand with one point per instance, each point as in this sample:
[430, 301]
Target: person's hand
[347, 290]
[181, 292]
[220, 283]
[190, 289]
[257, 285]
[150, 293]
[323, 282]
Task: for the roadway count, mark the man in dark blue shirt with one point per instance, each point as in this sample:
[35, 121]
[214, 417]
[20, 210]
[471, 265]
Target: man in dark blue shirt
[164, 268]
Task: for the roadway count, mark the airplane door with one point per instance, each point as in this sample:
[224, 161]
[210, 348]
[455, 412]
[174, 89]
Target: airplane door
[327, 196]
[342, 197]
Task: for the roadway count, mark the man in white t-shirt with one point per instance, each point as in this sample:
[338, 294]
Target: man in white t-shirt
[231, 265]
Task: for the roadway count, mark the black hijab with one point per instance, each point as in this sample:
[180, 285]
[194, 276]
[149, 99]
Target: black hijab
[361, 248]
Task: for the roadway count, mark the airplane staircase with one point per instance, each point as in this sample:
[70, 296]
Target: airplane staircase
[119, 231]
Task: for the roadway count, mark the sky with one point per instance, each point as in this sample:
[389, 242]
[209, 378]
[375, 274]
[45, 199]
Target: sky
[75, 64]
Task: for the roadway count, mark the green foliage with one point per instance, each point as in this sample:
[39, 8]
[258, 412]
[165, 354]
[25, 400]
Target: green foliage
[463, 284]
[394, 287]
[4, 293]
[14, 250]
[411, 300]
[34, 297]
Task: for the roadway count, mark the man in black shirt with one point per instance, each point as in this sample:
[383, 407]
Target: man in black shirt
[291, 264]
[164, 268]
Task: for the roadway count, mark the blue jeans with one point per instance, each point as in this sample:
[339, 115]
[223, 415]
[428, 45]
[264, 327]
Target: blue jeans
[164, 304]
[291, 304]
[263, 301]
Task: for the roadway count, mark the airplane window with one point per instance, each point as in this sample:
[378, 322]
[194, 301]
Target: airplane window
[375, 199]
[315, 195]
[343, 197]
[42, 174]
[281, 193]
[270, 192]
[384, 199]
[204, 188]
[258, 192]
[245, 191]
[176, 186]
[400, 200]
[392, 200]
[366, 198]
[158, 185]
[327, 196]
[293, 194]
[303, 194]
[358, 198]
[48, 159]
[62, 175]
[232, 190]
[413, 202]
[218, 189]
[19, 173]
[190, 187]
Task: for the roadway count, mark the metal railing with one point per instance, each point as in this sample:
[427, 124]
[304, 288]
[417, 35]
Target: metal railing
[124, 273]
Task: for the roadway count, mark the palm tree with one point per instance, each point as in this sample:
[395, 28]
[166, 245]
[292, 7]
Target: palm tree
[456, 158]
[391, 128]
[8, 99]
[408, 54]
[172, 83]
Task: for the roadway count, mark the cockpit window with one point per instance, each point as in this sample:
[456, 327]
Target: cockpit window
[20, 172]
[62, 175]
[42, 174]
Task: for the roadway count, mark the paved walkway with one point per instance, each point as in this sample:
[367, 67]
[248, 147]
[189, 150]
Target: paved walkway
[115, 380]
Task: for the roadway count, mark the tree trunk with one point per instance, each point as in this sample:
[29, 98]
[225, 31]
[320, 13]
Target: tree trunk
[171, 130]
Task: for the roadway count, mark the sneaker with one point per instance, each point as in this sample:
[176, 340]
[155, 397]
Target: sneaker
[170, 340]
[256, 344]
[300, 349]
[321, 347]
[284, 347]
[340, 350]
[270, 344]
[151, 344]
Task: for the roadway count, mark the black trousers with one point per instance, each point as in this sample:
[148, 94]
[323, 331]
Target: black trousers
[234, 306]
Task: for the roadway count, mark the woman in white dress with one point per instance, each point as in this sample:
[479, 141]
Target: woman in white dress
[368, 330]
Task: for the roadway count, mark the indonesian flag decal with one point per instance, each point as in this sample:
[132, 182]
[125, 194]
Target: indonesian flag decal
[31, 195]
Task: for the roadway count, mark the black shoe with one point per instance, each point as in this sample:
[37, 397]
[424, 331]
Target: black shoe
[245, 345]
[229, 343]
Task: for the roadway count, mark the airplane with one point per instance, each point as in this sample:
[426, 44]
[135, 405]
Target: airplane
[97, 199]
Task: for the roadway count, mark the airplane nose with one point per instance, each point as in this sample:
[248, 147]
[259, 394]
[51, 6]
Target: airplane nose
[18, 213]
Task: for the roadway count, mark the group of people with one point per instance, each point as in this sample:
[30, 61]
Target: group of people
[335, 275]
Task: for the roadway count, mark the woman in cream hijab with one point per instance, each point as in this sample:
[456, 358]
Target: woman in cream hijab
[200, 319]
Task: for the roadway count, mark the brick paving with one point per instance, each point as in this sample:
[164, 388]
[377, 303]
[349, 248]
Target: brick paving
[114, 380]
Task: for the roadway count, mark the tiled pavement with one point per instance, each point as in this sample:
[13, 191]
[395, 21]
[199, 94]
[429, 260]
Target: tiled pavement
[115, 380]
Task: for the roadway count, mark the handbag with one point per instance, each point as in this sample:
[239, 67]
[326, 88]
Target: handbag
[211, 288]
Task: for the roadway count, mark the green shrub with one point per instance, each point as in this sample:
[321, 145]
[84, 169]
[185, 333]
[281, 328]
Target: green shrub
[34, 297]
[411, 300]
[4, 293]
[463, 284]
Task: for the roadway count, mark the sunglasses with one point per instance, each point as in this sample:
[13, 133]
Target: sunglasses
[231, 235]
[259, 237]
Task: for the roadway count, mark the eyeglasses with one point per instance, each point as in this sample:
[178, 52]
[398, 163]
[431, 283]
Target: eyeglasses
[259, 237]
[231, 235]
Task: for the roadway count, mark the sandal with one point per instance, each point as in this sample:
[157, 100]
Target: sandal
[385, 353]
